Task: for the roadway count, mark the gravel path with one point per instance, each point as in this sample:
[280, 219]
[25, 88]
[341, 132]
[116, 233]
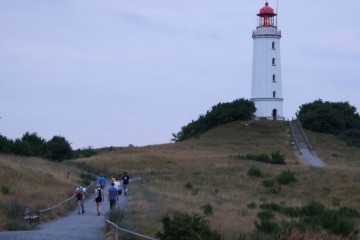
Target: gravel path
[312, 159]
[87, 226]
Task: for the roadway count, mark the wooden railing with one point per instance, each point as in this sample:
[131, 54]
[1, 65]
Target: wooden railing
[119, 229]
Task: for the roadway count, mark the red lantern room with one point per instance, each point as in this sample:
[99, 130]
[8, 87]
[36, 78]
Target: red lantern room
[267, 16]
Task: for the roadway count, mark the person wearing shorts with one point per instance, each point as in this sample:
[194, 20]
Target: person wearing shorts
[99, 198]
[80, 195]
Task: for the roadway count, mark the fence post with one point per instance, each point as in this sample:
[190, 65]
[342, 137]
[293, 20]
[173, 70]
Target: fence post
[116, 234]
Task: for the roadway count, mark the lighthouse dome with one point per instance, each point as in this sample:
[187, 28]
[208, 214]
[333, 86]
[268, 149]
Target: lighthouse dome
[266, 11]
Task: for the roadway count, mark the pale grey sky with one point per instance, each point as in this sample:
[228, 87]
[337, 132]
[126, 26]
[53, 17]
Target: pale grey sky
[120, 72]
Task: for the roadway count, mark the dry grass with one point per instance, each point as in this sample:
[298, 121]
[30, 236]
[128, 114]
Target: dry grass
[221, 180]
[34, 183]
[217, 177]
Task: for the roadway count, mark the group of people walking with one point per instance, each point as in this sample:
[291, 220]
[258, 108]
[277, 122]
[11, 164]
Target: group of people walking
[114, 191]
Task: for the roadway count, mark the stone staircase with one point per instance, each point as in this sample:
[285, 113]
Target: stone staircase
[304, 146]
[299, 135]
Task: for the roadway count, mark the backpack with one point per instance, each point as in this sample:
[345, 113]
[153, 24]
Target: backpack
[79, 194]
[98, 196]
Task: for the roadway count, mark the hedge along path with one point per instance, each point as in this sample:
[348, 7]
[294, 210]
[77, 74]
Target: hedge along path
[87, 226]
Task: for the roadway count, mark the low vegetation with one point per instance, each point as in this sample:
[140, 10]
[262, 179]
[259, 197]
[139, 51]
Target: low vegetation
[235, 198]
[34, 183]
[274, 158]
[201, 176]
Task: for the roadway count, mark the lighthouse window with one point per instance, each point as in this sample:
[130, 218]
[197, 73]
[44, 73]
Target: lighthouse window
[274, 78]
[273, 45]
[274, 93]
[273, 62]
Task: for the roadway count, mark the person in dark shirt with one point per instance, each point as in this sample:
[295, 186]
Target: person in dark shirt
[126, 181]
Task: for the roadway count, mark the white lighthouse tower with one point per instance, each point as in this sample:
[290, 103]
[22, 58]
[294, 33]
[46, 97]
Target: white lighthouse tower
[266, 89]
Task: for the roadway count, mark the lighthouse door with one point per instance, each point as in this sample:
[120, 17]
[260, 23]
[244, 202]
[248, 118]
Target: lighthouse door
[274, 113]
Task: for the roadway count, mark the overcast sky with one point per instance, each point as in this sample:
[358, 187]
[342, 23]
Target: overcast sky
[119, 72]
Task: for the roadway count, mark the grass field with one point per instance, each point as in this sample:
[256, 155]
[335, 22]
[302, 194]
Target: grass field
[205, 171]
[32, 183]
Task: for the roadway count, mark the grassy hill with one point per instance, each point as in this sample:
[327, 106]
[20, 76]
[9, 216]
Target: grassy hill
[33, 183]
[206, 171]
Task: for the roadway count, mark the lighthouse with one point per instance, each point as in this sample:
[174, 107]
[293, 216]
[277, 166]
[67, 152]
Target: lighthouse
[266, 85]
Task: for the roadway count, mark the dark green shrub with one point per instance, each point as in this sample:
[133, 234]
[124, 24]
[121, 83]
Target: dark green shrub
[183, 226]
[267, 226]
[286, 177]
[337, 223]
[265, 214]
[271, 206]
[259, 157]
[351, 137]
[207, 209]
[349, 212]
[313, 209]
[313, 216]
[268, 183]
[291, 211]
[274, 158]
[5, 190]
[254, 172]
[252, 205]
[188, 186]
[277, 158]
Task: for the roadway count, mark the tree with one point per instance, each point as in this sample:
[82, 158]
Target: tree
[36, 143]
[220, 114]
[329, 117]
[184, 226]
[21, 148]
[5, 144]
[59, 149]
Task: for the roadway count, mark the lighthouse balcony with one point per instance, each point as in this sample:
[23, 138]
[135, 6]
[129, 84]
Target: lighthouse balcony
[261, 31]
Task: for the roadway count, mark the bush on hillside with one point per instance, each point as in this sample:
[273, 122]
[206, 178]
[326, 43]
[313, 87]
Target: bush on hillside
[254, 172]
[219, 114]
[275, 157]
[351, 137]
[183, 226]
[314, 216]
[328, 117]
[286, 177]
